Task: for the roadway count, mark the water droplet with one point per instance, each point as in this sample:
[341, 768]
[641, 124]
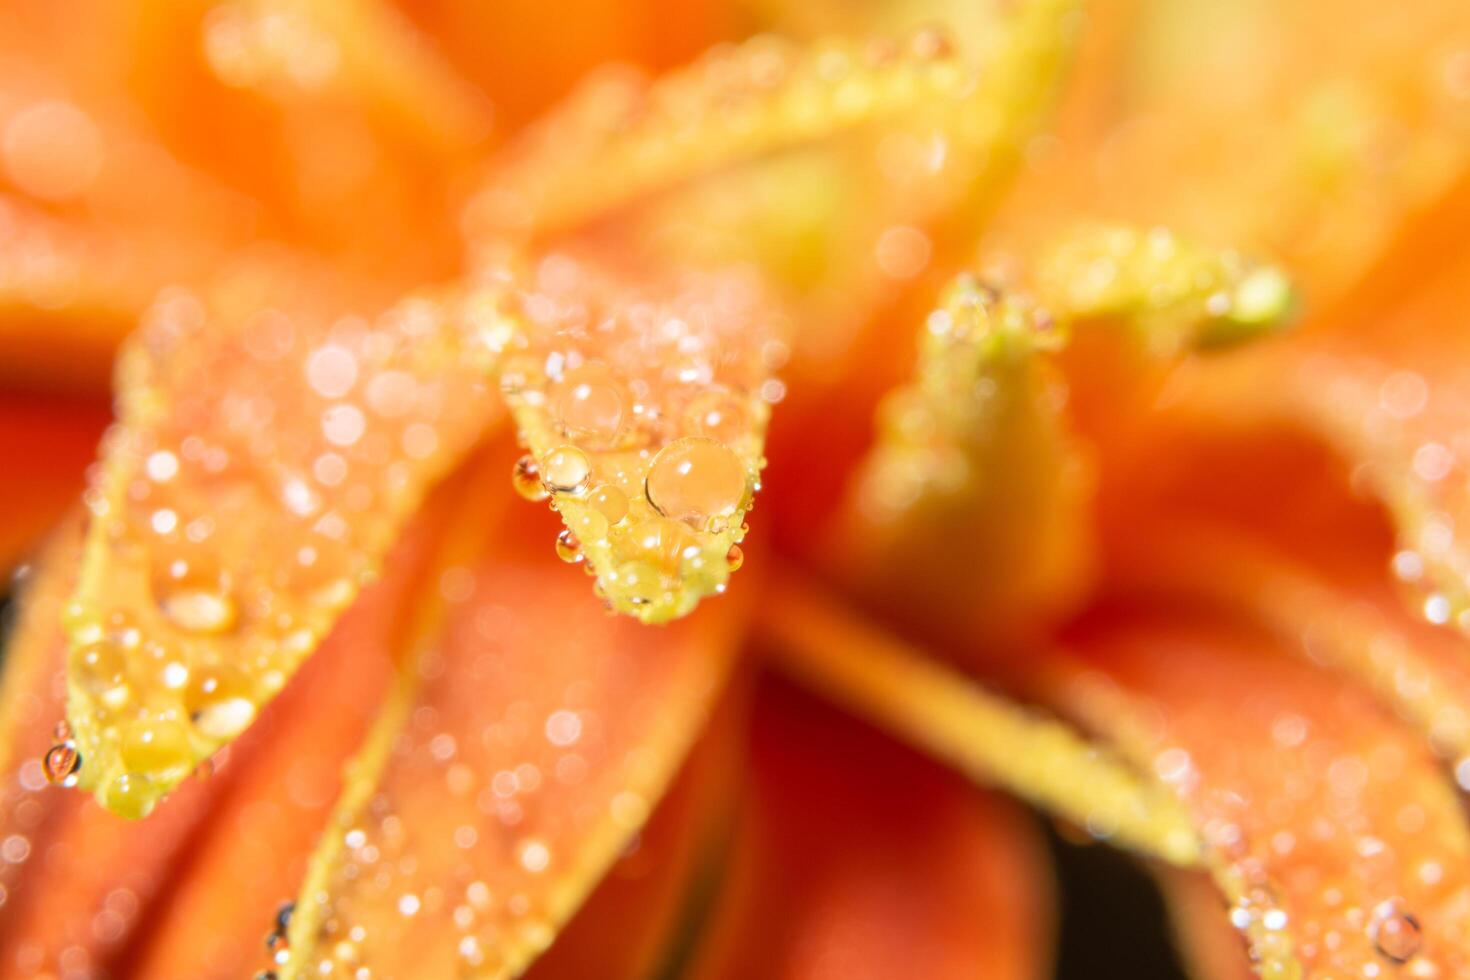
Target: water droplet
[61, 764]
[662, 541]
[695, 479]
[219, 703]
[719, 415]
[526, 478]
[591, 404]
[129, 796]
[199, 610]
[566, 469]
[1395, 931]
[609, 501]
[276, 938]
[568, 548]
[734, 558]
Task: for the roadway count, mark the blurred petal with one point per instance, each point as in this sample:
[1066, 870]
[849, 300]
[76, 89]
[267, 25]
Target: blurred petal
[643, 401]
[994, 741]
[621, 137]
[486, 806]
[857, 860]
[976, 480]
[71, 289]
[655, 898]
[1210, 947]
[280, 782]
[237, 516]
[54, 439]
[1330, 829]
[1266, 125]
[366, 54]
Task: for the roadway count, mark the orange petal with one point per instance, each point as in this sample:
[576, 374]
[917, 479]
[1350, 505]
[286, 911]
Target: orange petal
[235, 519]
[281, 780]
[643, 402]
[365, 54]
[52, 439]
[486, 807]
[71, 289]
[855, 858]
[972, 463]
[74, 878]
[938, 710]
[975, 461]
[1330, 828]
[638, 921]
[1266, 126]
[1388, 396]
[621, 137]
[1205, 939]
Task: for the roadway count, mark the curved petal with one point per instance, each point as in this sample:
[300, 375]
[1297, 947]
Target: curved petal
[489, 802]
[654, 900]
[975, 459]
[63, 911]
[1264, 125]
[856, 859]
[1331, 830]
[90, 892]
[1211, 948]
[643, 401]
[235, 518]
[280, 782]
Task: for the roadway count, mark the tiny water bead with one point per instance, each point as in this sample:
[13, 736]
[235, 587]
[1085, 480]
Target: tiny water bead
[568, 548]
[525, 476]
[566, 469]
[734, 558]
[696, 479]
[1395, 931]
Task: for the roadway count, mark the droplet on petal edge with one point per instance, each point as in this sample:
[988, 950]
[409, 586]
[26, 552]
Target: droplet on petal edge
[641, 406]
[234, 520]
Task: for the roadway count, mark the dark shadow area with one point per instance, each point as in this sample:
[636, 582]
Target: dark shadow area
[1112, 920]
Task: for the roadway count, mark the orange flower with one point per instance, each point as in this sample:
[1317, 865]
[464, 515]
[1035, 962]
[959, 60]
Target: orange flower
[982, 302]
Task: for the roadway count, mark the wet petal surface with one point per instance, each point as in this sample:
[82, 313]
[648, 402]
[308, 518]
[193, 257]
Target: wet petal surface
[643, 402]
[1332, 831]
[495, 798]
[234, 521]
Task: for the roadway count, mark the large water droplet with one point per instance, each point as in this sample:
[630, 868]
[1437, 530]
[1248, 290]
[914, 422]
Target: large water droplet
[1395, 931]
[566, 469]
[696, 480]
